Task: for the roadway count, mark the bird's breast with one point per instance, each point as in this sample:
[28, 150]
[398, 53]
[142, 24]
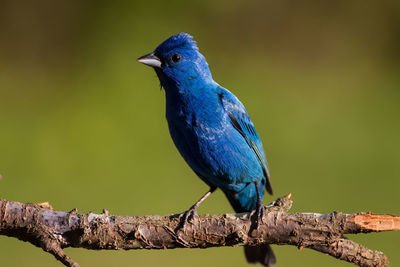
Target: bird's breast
[211, 146]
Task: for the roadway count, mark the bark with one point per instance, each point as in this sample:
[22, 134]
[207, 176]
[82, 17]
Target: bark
[54, 230]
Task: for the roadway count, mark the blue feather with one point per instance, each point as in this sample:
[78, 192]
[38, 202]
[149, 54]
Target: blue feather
[241, 121]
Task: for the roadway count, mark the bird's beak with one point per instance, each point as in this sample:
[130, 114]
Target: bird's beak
[150, 60]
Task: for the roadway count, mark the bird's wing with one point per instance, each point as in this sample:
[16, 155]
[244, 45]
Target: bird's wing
[242, 123]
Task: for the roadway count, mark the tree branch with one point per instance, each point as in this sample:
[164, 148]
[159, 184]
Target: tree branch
[53, 230]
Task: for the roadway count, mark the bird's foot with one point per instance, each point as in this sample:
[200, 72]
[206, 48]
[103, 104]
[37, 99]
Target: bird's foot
[258, 215]
[185, 217]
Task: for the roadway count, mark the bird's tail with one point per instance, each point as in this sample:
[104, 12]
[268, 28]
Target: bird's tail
[244, 201]
[262, 254]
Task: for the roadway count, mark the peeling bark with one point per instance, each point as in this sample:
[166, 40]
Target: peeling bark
[53, 230]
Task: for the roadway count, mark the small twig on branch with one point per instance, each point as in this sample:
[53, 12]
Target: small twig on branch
[54, 230]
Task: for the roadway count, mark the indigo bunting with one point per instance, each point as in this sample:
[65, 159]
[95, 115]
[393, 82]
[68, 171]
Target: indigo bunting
[213, 132]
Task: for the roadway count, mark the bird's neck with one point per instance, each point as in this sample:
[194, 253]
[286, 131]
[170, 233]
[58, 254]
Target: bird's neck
[188, 89]
[190, 98]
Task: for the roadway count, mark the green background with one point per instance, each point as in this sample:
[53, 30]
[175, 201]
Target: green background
[82, 124]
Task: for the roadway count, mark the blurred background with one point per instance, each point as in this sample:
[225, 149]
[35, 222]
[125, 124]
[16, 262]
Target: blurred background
[82, 124]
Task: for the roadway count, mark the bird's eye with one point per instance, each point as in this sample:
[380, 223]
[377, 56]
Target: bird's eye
[176, 57]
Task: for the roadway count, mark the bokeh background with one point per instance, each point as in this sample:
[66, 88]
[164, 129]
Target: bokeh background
[82, 123]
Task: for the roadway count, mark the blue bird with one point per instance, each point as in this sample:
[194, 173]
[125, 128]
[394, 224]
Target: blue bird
[213, 132]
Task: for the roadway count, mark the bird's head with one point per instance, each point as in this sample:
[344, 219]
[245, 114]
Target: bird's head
[177, 61]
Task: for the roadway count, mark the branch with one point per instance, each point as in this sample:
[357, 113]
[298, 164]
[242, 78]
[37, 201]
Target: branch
[53, 230]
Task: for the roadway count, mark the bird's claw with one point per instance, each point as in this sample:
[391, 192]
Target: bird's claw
[258, 215]
[185, 217]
